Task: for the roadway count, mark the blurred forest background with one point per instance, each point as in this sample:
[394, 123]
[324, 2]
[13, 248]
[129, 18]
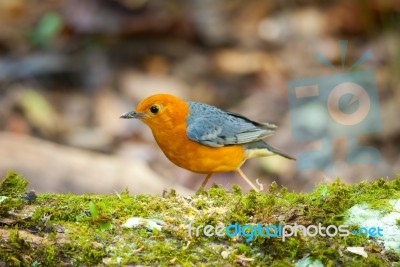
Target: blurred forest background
[68, 69]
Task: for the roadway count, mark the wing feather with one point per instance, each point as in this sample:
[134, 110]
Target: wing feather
[213, 127]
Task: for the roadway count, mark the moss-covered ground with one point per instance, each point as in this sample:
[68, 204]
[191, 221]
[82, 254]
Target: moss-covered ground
[66, 229]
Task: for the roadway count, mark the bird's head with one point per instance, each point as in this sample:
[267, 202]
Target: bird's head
[161, 111]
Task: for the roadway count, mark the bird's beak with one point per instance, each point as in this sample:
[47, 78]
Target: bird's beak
[132, 115]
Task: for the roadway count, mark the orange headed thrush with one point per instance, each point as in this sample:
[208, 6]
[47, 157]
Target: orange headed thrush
[202, 138]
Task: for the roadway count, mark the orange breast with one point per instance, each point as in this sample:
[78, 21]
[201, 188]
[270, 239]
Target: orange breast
[196, 157]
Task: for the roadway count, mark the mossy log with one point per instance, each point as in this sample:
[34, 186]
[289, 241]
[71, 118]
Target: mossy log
[125, 229]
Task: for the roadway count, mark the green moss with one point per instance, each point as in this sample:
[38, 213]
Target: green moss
[16, 251]
[71, 231]
[11, 189]
[13, 185]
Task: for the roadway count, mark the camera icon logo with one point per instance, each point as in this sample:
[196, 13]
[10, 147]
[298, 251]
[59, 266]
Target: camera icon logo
[341, 105]
[357, 96]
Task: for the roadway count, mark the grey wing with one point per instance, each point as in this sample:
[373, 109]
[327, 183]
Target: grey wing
[218, 128]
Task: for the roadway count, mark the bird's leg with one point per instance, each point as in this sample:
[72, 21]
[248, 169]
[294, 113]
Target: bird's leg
[206, 180]
[247, 180]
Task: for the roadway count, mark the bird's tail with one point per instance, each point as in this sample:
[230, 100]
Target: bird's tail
[262, 149]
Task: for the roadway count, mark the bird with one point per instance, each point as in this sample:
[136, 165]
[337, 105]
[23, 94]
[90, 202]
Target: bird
[202, 138]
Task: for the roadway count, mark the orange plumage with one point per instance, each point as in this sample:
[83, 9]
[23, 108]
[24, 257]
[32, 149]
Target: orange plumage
[201, 138]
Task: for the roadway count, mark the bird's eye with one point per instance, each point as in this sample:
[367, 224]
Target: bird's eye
[154, 109]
